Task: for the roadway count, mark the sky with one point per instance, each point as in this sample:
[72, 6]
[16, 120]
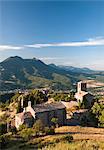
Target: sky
[61, 32]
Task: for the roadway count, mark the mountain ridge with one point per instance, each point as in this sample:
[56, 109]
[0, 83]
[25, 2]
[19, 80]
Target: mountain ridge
[16, 72]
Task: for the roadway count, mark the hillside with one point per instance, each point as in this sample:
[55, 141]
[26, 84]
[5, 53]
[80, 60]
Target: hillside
[83, 138]
[16, 72]
[24, 73]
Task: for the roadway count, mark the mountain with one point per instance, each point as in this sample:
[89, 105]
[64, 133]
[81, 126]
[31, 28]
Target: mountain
[74, 69]
[16, 72]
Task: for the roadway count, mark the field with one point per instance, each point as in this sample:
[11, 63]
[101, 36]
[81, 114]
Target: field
[87, 138]
[83, 133]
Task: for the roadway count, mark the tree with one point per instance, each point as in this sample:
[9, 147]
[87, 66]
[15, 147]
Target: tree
[55, 121]
[23, 126]
[13, 130]
[38, 127]
[3, 141]
[49, 131]
[101, 119]
[3, 128]
[27, 133]
[19, 108]
[98, 111]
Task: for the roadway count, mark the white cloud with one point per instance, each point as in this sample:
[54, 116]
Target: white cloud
[98, 41]
[9, 47]
[90, 42]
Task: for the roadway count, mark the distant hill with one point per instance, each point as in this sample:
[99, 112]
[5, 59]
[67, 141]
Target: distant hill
[74, 69]
[16, 72]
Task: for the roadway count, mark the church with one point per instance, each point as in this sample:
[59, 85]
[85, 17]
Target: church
[82, 95]
[44, 112]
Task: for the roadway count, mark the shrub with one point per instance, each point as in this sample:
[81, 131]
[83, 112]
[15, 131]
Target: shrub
[21, 127]
[98, 111]
[13, 130]
[3, 128]
[19, 108]
[67, 138]
[55, 121]
[38, 127]
[3, 141]
[27, 133]
[49, 131]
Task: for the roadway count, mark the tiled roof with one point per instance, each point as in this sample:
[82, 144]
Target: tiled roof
[48, 107]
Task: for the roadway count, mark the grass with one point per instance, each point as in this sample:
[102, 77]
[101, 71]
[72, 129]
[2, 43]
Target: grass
[83, 133]
[84, 138]
[77, 145]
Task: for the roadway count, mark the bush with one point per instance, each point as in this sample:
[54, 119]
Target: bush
[27, 133]
[3, 128]
[67, 138]
[13, 130]
[38, 127]
[98, 111]
[49, 131]
[21, 127]
[3, 141]
[55, 121]
[19, 108]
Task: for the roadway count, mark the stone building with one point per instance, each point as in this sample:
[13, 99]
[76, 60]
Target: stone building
[82, 95]
[44, 112]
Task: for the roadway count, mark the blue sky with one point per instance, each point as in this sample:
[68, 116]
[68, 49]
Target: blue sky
[64, 33]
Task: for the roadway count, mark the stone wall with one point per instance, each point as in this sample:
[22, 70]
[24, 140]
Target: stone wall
[48, 115]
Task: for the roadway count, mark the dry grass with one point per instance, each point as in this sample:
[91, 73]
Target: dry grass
[82, 133]
[85, 138]
[79, 145]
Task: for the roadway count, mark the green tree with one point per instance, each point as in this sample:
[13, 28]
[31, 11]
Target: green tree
[27, 133]
[19, 108]
[13, 130]
[49, 130]
[101, 119]
[98, 111]
[21, 127]
[3, 128]
[55, 121]
[38, 127]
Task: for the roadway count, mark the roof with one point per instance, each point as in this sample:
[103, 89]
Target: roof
[48, 107]
[82, 93]
[70, 104]
[24, 115]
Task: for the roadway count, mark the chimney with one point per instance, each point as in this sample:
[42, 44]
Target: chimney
[24, 110]
[29, 103]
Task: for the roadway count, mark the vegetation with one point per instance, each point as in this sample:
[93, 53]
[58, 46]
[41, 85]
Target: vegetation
[19, 108]
[38, 127]
[63, 96]
[77, 145]
[37, 130]
[22, 73]
[98, 111]
[49, 130]
[88, 119]
[55, 121]
[3, 128]
[6, 97]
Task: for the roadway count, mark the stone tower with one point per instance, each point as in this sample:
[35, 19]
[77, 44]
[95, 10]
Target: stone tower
[81, 86]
